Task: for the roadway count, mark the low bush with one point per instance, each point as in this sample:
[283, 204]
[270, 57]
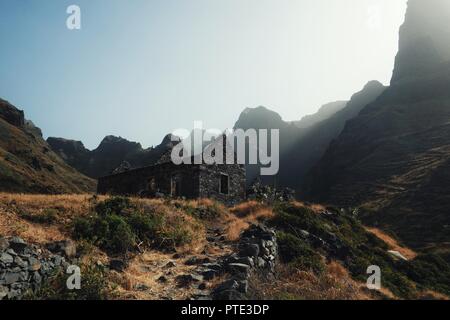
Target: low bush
[117, 225]
[94, 286]
[299, 254]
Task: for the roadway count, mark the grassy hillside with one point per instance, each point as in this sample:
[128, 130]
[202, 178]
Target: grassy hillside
[27, 163]
[324, 253]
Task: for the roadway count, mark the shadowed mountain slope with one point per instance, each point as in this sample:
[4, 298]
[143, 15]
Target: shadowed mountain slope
[394, 157]
[27, 163]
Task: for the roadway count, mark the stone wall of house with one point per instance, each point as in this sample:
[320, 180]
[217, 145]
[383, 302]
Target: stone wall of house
[195, 181]
[134, 182]
[210, 177]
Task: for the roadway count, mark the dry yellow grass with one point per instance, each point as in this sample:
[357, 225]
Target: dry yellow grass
[392, 243]
[244, 215]
[293, 284]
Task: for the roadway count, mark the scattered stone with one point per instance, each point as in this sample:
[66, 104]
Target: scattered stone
[187, 279]
[3, 292]
[4, 244]
[67, 248]
[34, 264]
[209, 274]
[243, 286]
[214, 266]
[251, 250]
[6, 258]
[17, 244]
[397, 255]
[227, 285]
[11, 277]
[170, 264]
[236, 268]
[142, 287]
[118, 265]
[247, 261]
[196, 260]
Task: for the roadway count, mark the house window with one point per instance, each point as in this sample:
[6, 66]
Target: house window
[175, 186]
[152, 185]
[224, 183]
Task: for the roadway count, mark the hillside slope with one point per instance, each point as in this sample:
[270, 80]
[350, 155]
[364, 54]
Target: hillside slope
[324, 252]
[27, 163]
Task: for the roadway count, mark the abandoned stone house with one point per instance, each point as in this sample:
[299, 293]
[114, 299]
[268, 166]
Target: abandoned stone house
[223, 182]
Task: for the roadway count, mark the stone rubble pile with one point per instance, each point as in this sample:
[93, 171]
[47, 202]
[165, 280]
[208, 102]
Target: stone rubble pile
[24, 267]
[257, 252]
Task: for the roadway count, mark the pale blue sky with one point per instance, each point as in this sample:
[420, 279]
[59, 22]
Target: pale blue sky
[142, 68]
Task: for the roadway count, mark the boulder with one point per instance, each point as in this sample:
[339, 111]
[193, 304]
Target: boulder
[4, 244]
[249, 249]
[118, 265]
[17, 244]
[187, 279]
[11, 114]
[237, 268]
[67, 248]
[6, 258]
[3, 292]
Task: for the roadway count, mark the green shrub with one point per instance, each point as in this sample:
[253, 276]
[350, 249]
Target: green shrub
[94, 286]
[111, 232]
[114, 205]
[298, 253]
[430, 271]
[146, 226]
[117, 225]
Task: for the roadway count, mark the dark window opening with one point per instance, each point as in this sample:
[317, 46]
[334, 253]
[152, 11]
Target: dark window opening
[224, 182]
[175, 186]
[152, 185]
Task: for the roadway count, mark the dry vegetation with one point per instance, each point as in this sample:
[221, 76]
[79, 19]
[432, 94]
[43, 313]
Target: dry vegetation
[43, 218]
[295, 284]
[392, 243]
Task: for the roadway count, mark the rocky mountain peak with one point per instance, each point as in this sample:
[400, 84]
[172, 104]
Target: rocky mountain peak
[259, 118]
[11, 114]
[424, 40]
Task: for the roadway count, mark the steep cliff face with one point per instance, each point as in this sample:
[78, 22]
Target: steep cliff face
[393, 157]
[27, 163]
[423, 43]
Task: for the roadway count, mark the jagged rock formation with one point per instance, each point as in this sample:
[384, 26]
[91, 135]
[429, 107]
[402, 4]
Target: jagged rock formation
[11, 114]
[27, 163]
[110, 154]
[423, 43]
[393, 157]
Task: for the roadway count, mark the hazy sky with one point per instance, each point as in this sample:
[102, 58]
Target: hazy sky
[142, 68]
